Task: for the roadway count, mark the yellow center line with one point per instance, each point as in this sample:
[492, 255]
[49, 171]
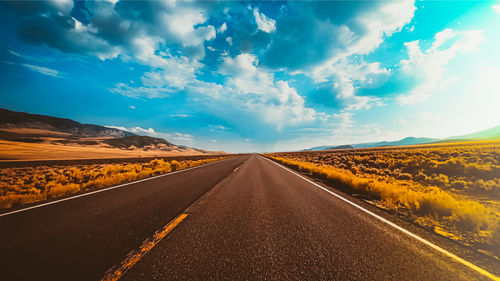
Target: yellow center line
[133, 257]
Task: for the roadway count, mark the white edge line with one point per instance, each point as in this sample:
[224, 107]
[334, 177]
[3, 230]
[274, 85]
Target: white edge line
[426, 242]
[107, 188]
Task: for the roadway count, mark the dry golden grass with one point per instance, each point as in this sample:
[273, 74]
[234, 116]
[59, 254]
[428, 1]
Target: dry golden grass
[19, 186]
[453, 189]
[10, 150]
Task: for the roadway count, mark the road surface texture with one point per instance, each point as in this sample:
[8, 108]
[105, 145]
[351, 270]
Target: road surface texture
[81, 239]
[264, 223]
[255, 221]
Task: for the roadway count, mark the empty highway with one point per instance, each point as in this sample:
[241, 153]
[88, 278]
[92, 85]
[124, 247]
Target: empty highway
[246, 218]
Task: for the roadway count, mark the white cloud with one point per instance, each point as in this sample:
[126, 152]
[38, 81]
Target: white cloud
[222, 28]
[176, 137]
[12, 52]
[380, 22]
[344, 119]
[64, 6]
[132, 107]
[43, 70]
[181, 23]
[363, 102]
[181, 115]
[348, 77]
[430, 65]
[118, 127]
[141, 131]
[264, 23]
[496, 9]
[229, 40]
[317, 27]
[250, 93]
[346, 73]
[120, 30]
[173, 74]
[243, 64]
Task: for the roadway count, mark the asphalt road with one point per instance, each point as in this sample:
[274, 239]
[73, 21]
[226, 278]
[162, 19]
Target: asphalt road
[80, 239]
[264, 223]
[256, 222]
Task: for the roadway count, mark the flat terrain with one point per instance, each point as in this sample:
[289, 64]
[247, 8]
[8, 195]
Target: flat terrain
[259, 221]
[92, 161]
[81, 239]
[452, 189]
[11, 150]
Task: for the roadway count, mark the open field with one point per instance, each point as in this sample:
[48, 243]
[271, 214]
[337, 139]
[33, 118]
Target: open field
[33, 183]
[90, 161]
[11, 150]
[453, 189]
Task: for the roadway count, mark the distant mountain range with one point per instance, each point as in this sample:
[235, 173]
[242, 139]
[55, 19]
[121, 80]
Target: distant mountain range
[489, 134]
[17, 120]
[34, 128]
[492, 133]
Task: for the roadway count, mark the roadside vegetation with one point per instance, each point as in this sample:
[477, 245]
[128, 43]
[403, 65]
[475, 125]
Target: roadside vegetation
[452, 189]
[24, 185]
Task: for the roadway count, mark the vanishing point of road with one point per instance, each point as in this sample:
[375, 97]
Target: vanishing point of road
[245, 218]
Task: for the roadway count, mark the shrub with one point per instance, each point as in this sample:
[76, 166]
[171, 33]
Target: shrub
[422, 197]
[20, 186]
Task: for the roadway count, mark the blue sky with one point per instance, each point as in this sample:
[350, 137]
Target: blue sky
[256, 76]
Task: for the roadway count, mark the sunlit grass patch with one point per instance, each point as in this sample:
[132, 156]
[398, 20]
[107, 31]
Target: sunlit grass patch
[19, 186]
[453, 190]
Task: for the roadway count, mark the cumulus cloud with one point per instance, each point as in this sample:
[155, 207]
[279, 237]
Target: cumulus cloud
[51, 23]
[382, 21]
[323, 40]
[247, 93]
[243, 64]
[222, 28]
[341, 81]
[264, 23]
[347, 73]
[251, 93]
[173, 74]
[312, 33]
[113, 28]
[430, 65]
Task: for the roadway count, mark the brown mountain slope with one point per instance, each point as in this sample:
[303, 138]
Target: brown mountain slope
[25, 136]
